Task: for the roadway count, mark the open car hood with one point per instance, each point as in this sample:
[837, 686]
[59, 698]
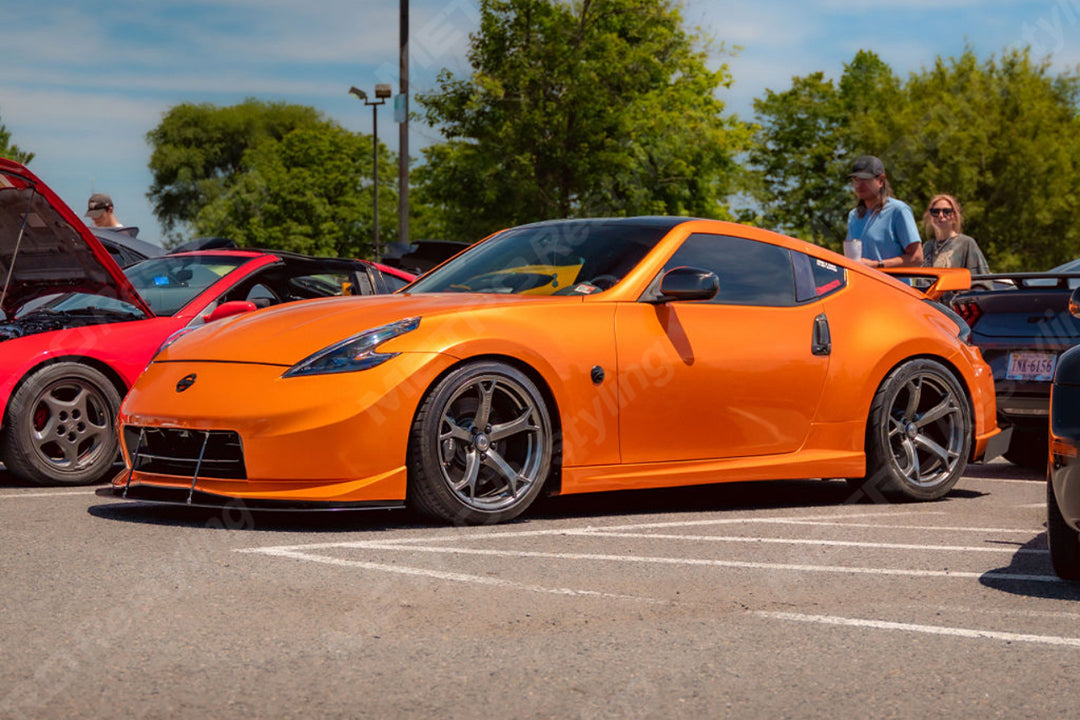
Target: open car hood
[46, 249]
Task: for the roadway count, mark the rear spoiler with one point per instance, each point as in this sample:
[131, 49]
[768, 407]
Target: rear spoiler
[1030, 279]
[933, 282]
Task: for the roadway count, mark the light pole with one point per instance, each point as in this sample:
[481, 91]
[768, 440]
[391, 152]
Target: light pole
[382, 92]
[403, 127]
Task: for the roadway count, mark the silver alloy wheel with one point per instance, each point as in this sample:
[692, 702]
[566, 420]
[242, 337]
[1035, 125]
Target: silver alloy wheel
[70, 424]
[926, 430]
[491, 444]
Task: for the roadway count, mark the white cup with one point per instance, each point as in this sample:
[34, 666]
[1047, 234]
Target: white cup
[853, 249]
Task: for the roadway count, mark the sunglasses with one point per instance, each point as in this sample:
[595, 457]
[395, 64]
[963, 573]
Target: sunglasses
[941, 211]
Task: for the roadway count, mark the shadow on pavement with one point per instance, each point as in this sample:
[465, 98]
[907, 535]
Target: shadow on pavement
[1003, 470]
[1031, 564]
[774, 494]
[237, 517]
[771, 494]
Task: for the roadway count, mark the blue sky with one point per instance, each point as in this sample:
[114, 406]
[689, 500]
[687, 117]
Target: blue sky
[83, 82]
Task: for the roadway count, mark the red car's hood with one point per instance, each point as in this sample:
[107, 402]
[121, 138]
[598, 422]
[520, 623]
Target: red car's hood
[46, 249]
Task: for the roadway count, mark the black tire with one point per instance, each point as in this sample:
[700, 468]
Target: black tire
[60, 427]
[918, 436]
[1063, 540]
[1028, 448]
[481, 446]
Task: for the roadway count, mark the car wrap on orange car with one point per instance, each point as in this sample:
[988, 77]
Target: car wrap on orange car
[639, 373]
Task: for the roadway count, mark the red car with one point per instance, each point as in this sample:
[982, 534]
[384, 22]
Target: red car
[77, 330]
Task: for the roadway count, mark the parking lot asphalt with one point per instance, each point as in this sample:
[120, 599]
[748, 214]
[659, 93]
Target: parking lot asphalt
[781, 599]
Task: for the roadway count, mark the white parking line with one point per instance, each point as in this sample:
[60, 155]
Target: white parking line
[1033, 482]
[838, 543]
[18, 496]
[504, 534]
[882, 526]
[455, 577]
[927, 629]
[659, 560]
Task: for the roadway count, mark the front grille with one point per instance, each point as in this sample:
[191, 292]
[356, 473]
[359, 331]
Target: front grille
[171, 451]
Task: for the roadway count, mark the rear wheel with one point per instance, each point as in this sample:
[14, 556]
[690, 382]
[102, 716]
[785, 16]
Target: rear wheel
[1063, 540]
[918, 437]
[60, 427]
[481, 445]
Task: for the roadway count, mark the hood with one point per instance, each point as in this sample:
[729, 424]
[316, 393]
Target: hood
[46, 249]
[286, 334]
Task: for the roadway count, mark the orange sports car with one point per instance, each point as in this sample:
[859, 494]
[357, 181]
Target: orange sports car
[566, 357]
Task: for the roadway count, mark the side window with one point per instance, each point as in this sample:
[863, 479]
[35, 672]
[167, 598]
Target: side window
[393, 282]
[320, 285]
[262, 296]
[815, 278]
[827, 277]
[750, 272]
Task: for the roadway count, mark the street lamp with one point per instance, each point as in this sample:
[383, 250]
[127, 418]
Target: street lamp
[382, 92]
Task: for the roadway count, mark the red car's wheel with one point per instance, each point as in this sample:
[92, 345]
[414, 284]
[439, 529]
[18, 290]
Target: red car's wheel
[918, 436]
[481, 446]
[59, 428]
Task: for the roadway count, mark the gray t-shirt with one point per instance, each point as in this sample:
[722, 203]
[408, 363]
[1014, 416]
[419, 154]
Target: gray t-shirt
[959, 251]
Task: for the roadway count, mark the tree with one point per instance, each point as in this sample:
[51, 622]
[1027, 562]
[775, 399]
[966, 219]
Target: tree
[10, 150]
[804, 143]
[596, 107]
[1003, 136]
[1000, 134]
[269, 175]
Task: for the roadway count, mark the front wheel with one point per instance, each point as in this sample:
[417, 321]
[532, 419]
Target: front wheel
[480, 448]
[918, 436]
[59, 428]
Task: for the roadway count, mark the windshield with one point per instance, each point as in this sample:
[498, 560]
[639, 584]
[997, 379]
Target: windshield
[557, 258]
[169, 283]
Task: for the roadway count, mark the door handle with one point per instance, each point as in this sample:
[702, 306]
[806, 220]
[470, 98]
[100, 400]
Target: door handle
[822, 343]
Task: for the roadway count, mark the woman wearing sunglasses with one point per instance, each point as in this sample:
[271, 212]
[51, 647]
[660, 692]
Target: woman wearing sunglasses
[950, 248]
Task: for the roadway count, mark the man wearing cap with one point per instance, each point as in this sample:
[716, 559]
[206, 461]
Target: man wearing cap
[100, 211]
[884, 225]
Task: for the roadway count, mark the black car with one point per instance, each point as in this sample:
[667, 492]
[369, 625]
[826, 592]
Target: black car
[1063, 470]
[125, 246]
[420, 256]
[1022, 325]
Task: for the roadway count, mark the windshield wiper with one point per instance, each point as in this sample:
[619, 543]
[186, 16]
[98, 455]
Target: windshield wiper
[84, 312]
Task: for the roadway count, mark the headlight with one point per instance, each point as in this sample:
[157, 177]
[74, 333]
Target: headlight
[355, 353]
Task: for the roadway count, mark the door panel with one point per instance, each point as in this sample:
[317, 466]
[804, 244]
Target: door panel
[703, 380]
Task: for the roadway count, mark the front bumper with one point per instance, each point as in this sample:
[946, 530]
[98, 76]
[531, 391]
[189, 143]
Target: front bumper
[179, 496]
[334, 440]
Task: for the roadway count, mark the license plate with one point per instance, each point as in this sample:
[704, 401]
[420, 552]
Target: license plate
[1031, 366]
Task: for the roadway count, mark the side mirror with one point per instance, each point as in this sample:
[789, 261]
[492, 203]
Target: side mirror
[688, 283]
[1074, 303]
[233, 307]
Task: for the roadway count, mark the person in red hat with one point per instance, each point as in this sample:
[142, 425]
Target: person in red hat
[884, 226]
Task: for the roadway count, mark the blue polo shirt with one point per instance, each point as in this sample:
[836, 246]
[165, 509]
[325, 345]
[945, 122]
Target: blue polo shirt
[885, 232]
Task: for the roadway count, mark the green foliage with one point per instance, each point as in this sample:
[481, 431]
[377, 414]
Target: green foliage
[269, 175]
[10, 150]
[596, 107]
[1001, 135]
